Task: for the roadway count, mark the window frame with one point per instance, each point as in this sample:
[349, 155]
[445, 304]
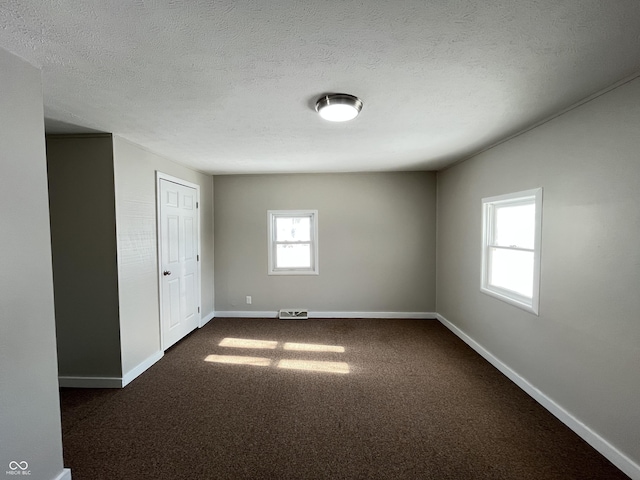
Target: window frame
[272, 215]
[525, 197]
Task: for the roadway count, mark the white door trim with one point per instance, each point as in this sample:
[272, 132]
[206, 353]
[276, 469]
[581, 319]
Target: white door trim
[164, 176]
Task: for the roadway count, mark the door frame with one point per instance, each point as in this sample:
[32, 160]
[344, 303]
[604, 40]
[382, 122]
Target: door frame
[170, 178]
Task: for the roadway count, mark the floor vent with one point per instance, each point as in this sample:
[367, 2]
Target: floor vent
[293, 314]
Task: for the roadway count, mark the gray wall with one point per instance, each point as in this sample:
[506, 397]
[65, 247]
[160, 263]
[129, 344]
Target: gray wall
[376, 242]
[29, 404]
[583, 350]
[135, 181]
[83, 240]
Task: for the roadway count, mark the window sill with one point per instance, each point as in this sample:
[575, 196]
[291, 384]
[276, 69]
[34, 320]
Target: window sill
[293, 272]
[528, 307]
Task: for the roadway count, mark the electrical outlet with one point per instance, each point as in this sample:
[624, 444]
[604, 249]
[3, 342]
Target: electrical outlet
[248, 299]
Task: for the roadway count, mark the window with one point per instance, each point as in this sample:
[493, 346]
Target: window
[293, 242]
[511, 248]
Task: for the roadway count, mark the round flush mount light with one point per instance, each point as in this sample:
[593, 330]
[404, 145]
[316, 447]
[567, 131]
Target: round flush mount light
[338, 107]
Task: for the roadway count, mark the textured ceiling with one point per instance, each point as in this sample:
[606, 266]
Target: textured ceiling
[229, 86]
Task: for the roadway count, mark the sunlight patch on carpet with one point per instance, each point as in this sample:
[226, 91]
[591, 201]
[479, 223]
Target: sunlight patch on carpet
[310, 347]
[289, 364]
[238, 360]
[315, 366]
[248, 343]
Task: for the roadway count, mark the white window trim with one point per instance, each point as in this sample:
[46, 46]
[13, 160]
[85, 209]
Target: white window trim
[529, 304]
[271, 216]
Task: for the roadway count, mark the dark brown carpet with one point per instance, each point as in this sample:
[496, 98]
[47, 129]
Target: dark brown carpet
[417, 403]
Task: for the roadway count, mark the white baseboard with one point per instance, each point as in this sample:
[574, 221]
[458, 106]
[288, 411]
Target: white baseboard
[615, 456]
[140, 368]
[64, 475]
[247, 314]
[206, 319]
[110, 382]
[90, 382]
[416, 315]
[274, 314]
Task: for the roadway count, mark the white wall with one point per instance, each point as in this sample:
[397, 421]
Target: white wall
[29, 404]
[135, 185]
[376, 242]
[583, 351]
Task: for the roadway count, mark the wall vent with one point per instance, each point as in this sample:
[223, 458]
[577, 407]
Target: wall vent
[293, 314]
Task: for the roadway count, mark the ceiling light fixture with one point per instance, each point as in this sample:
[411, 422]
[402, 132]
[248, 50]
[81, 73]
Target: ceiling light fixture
[338, 107]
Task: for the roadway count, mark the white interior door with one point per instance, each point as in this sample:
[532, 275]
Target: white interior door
[179, 256]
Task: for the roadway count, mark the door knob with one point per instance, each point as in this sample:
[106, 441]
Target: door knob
[166, 272]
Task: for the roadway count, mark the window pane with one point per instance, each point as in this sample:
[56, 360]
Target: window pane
[293, 256]
[293, 229]
[515, 225]
[512, 269]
